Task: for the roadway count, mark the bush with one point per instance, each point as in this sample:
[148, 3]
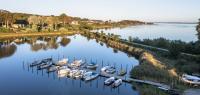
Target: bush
[63, 30]
[184, 66]
[174, 49]
[4, 30]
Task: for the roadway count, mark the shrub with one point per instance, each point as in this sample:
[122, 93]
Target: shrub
[4, 30]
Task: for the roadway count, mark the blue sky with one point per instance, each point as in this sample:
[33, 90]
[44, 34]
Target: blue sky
[146, 10]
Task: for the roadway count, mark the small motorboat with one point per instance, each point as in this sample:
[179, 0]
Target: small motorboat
[90, 76]
[41, 62]
[109, 81]
[117, 83]
[111, 70]
[45, 66]
[62, 62]
[104, 68]
[52, 69]
[92, 66]
[79, 74]
[35, 63]
[72, 73]
[76, 63]
[63, 72]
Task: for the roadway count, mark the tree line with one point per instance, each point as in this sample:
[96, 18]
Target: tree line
[32, 22]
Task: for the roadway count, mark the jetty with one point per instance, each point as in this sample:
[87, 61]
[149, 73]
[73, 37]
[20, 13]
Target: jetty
[130, 80]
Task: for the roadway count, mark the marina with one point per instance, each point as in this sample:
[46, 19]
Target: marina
[78, 70]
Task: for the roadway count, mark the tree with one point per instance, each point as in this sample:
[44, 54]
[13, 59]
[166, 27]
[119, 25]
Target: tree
[198, 29]
[175, 49]
[52, 22]
[33, 20]
[64, 18]
[130, 39]
[6, 18]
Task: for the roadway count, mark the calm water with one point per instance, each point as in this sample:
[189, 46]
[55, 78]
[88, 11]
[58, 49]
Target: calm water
[184, 32]
[18, 79]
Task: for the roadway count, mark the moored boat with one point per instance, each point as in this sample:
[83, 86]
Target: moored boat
[117, 83]
[63, 72]
[39, 62]
[52, 69]
[92, 66]
[62, 62]
[76, 64]
[90, 76]
[108, 69]
[45, 66]
[109, 81]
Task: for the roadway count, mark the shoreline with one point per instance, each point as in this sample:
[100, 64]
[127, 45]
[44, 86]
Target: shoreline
[30, 34]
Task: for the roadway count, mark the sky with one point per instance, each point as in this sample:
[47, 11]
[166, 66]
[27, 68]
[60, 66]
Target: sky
[145, 10]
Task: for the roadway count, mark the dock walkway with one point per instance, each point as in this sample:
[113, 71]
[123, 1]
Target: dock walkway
[129, 80]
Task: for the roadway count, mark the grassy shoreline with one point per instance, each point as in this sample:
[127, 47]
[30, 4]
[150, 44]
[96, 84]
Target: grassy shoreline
[30, 34]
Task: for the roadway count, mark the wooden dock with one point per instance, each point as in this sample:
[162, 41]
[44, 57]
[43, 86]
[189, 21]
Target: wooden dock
[130, 80]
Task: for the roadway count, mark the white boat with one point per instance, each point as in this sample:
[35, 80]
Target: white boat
[79, 74]
[109, 81]
[117, 83]
[90, 76]
[86, 74]
[72, 73]
[108, 69]
[62, 62]
[111, 70]
[53, 68]
[191, 79]
[92, 66]
[63, 72]
[76, 63]
[104, 68]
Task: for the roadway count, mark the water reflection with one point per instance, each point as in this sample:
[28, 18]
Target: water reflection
[7, 50]
[8, 46]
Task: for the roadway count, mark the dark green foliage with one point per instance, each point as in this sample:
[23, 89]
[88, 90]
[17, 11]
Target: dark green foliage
[85, 26]
[149, 90]
[145, 70]
[175, 47]
[4, 30]
[187, 67]
[198, 29]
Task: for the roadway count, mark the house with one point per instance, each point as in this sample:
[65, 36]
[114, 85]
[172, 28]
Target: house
[20, 24]
[74, 22]
[191, 79]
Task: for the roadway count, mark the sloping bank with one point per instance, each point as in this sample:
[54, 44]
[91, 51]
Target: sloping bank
[150, 67]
